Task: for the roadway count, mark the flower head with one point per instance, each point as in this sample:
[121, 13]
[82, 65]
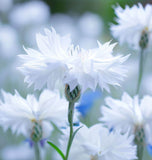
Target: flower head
[32, 117]
[133, 25]
[59, 62]
[129, 114]
[97, 143]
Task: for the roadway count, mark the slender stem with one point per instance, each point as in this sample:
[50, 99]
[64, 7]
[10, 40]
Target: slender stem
[37, 151]
[140, 149]
[141, 68]
[70, 119]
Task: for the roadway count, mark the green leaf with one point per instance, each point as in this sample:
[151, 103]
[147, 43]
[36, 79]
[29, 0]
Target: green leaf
[57, 149]
[74, 133]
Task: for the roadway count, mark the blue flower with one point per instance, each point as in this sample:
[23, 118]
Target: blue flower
[149, 149]
[87, 101]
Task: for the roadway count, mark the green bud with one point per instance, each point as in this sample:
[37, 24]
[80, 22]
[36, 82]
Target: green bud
[144, 39]
[140, 136]
[36, 134]
[74, 95]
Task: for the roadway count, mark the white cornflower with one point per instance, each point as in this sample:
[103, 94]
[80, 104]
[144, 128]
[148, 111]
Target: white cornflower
[97, 143]
[134, 25]
[58, 62]
[32, 117]
[9, 42]
[93, 22]
[129, 114]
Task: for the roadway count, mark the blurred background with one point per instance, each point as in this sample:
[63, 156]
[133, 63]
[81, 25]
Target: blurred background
[86, 21]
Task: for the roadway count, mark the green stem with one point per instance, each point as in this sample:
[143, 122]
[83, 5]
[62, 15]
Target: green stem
[140, 149]
[141, 68]
[37, 151]
[70, 119]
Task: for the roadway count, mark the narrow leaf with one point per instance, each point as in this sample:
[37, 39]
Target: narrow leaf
[57, 149]
[74, 133]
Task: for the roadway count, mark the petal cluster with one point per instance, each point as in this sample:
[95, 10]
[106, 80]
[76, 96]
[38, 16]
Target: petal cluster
[129, 114]
[97, 143]
[19, 114]
[131, 22]
[58, 62]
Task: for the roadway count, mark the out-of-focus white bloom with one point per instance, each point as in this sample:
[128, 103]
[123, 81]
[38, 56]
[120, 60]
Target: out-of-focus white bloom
[129, 114]
[132, 22]
[58, 61]
[21, 114]
[21, 152]
[96, 143]
[65, 24]
[5, 5]
[9, 44]
[90, 25]
[34, 12]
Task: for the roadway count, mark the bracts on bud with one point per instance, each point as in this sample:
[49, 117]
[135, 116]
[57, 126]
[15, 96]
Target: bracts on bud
[144, 39]
[74, 95]
[36, 136]
[139, 141]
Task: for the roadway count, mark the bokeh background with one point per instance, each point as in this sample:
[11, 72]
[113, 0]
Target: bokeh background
[86, 21]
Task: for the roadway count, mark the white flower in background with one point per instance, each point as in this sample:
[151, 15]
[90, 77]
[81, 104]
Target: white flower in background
[9, 42]
[97, 143]
[23, 115]
[93, 23]
[76, 26]
[5, 5]
[98, 67]
[129, 114]
[28, 13]
[58, 62]
[17, 152]
[65, 24]
[132, 23]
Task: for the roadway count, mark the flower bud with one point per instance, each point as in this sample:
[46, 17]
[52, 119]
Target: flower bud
[74, 95]
[139, 136]
[36, 134]
[144, 39]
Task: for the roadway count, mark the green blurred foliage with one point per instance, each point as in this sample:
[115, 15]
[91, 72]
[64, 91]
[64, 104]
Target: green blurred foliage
[101, 7]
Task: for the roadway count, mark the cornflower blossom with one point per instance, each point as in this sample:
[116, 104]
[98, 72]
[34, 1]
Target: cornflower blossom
[134, 25]
[31, 117]
[130, 114]
[58, 62]
[97, 143]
